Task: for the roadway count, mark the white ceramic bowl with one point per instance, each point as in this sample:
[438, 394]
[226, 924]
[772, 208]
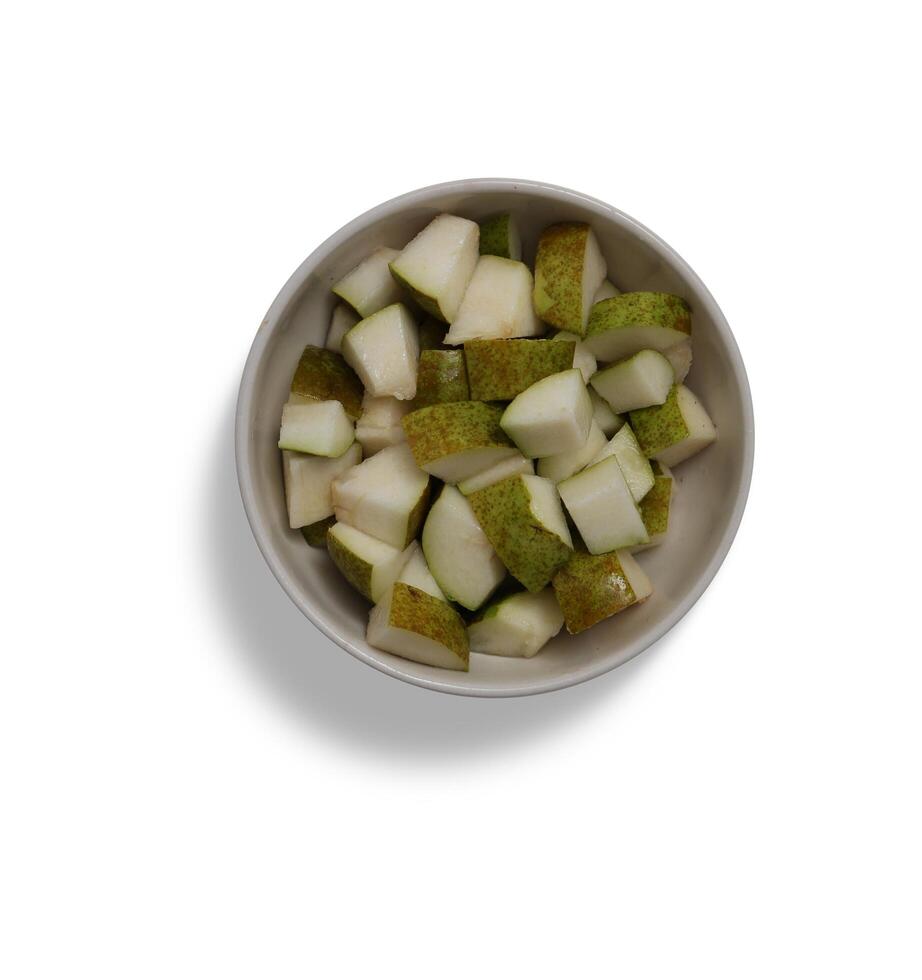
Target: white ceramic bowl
[712, 487]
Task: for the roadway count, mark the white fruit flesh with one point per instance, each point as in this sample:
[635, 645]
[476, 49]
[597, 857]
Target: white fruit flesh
[606, 291]
[603, 508]
[515, 239]
[383, 350]
[438, 264]
[614, 345]
[379, 425]
[701, 431]
[594, 272]
[511, 466]
[641, 380]
[635, 575]
[583, 358]
[342, 321]
[458, 553]
[308, 482]
[603, 416]
[564, 465]
[550, 417]
[462, 466]
[383, 635]
[546, 508]
[497, 304]
[385, 560]
[634, 465]
[370, 287]
[680, 357]
[318, 428]
[416, 573]
[518, 626]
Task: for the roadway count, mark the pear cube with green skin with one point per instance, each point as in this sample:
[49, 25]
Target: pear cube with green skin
[370, 287]
[432, 334]
[569, 269]
[517, 626]
[343, 320]
[322, 375]
[379, 426]
[603, 509]
[675, 430]
[497, 304]
[583, 358]
[383, 349]
[316, 534]
[456, 440]
[512, 466]
[501, 369]
[370, 566]
[606, 291]
[318, 428]
[552, 416]
[564, 465]
[654, 509]
[634, 464]
[417, 626]
[442, 377]
[308, 483]
[631, 322]
[499, 235]
[590, 588]
[603, 416]
[680, 357]
[436, 267]
[641, 380]
[385, 496]
[416, 572]
[460, 556]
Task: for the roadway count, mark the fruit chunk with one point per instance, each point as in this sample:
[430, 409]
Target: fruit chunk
[497, 304]
[591, 588]
[456, 440]
[564, 465]
[625, 324]
[417, 626]
[370, 287]
[550, 417]
[499, 235]
[380, 425]
[501, 369]
[641, 380]
[602, 507]
[442, 377]
[511, 466]
[458, 553]
[523, 520]
[343, 320]
[680, 357]
[606, 291]
[654, 508]
[370, 566]
[675, 430]
[569, 268]
[603, 416]
[437, 265]
[583, 358]
[384, 350]
[322, 375]
[316, 534]
[517, 626]
[416, 572]
[318, 428]
[308, 481]
[634, 464]
[385, 496]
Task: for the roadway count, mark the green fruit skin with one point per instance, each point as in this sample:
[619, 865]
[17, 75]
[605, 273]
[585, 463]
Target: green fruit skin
[530, 552]
[659, 426]
[494, 236]
[424, 302]
[654, 508]
[501, 369]
[316, 534]
[356, 571]
[415, 610]
[451, 427]
[558, 293]
[323, 375]
[432, 335]
[640, 310]
[590, 588]
[441, 377]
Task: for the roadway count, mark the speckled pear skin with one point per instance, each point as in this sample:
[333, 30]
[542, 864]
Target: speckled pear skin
[499, 370]
[590, 588]
[494, 236]
[530, 552]
[441, 377]
[654, 508]
[451, 427]
[355, 570]
[424, 614]
[659, 426]
[640, 310]
[424, 302]
[323, 375]
[558, 295]
[432, 335]
[418, 514]
[316, 534]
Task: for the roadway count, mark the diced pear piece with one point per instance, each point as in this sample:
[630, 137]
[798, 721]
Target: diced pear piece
[385, 496]
[552, 416]
[641, 380]
[308, 482]
[564, 465]
[370, 566]
[456, 440]
[517, 626]
[379, 425]
[460, 556]
[442, 377]
[437, 265]
[569, 268]
[654, 508]
[625, 324]
[501, 369]
[413, 624]
[606, 291]
[583, 358]
[322, 375]
[384, 351]
[603, 508]
[318, 428]
[343, 320]
[497, 304]
[680, 357]
[499, 235]
[316, 534]
[370, 287]
[591, 588]
[512, 466]
[416, 572]
[634, 464]
[603, 416]
[675, 430]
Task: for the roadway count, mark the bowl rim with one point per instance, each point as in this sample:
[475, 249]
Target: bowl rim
[244, 456]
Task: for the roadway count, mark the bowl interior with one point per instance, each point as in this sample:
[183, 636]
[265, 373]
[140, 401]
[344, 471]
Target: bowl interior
[711, 487]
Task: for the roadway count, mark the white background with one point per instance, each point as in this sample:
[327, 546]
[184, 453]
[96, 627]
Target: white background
[195, 782]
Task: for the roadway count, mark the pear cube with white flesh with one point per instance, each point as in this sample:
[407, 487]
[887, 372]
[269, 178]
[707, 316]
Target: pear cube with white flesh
[497, 304]
[308, 482]
[370, 287]
[655, 506]
[569, 268]
[415, 625]
[680, 357]
[322, 375]
[460, 556]
[606, 291]
[370, 566]
[512, 466]
[499, 235]
[318, 428]
[564, 465]
[631, 322]
[583, 358]
[634, 464]
[590, 588]
[603, 416]
[675, 430]
[343, 320]
[603, 508]
[457, 440]
[501, 369]
[552, 416]
[517, 626]
[641, 380]
[385, 496]
[379, 426]
[383, 349]
[436, 267]
[416, 572]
